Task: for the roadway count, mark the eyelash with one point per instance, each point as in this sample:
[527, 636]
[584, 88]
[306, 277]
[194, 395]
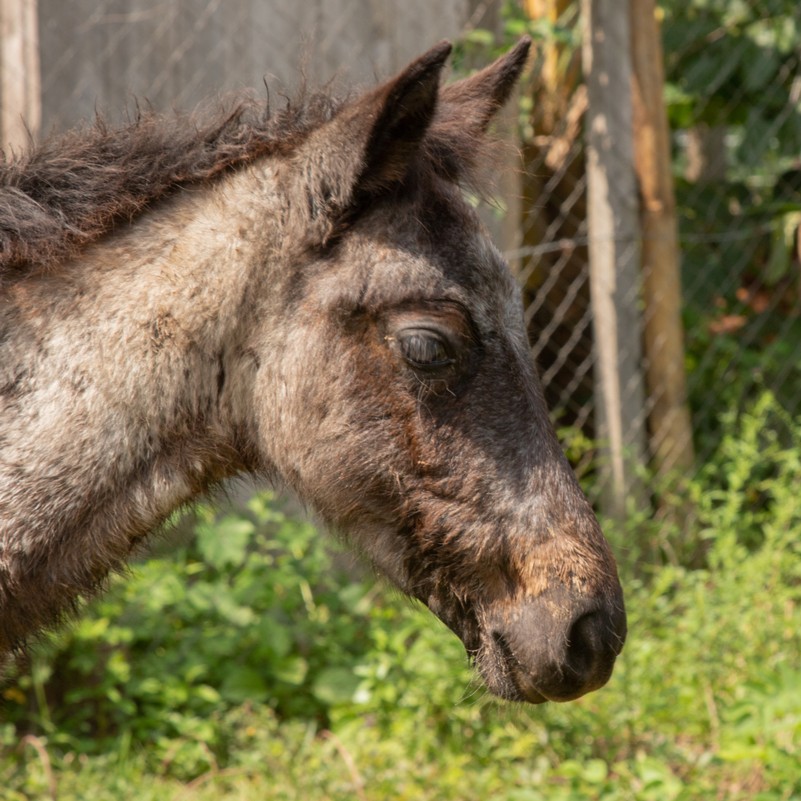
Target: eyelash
[424, 349]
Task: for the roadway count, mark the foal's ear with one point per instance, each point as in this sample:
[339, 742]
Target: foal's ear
[403, 107]
[369, 145]
[466, 109]
[474, 101]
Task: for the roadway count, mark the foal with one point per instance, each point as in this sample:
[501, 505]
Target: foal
[305, 297]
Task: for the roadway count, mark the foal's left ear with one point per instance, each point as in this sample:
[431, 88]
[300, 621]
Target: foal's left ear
[404, 107]
[369, 145]
[474, 101]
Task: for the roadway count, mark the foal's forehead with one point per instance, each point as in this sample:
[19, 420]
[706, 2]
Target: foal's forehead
[424, 245]
[435, 243]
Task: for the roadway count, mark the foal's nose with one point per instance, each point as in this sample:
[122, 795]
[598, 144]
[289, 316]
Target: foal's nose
[561, 645]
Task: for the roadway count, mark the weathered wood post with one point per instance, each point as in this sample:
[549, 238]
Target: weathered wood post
[614, 233]
[669, 417]
[20, 84]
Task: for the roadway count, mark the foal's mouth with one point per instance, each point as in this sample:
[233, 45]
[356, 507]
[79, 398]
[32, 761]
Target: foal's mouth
[492, 657]
[503, 673]
[554, 646]
[534, 654]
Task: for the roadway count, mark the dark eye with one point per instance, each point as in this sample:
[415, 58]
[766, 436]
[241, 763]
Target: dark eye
[424, 349]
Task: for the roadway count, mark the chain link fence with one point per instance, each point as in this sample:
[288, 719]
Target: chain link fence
[733, 92]
[733, 97]
[734, 88]
[104, 54]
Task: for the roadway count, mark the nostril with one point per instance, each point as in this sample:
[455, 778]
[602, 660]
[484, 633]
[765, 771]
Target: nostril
[584, 644]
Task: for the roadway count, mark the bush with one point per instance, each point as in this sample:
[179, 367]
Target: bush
[252, 610]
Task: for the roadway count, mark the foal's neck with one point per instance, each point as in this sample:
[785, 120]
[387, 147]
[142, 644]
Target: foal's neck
[134, 378]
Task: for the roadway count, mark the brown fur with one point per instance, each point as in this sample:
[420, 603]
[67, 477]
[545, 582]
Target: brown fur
[317, 305]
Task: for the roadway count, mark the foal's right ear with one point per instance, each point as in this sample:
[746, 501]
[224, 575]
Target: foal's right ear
[369, 145]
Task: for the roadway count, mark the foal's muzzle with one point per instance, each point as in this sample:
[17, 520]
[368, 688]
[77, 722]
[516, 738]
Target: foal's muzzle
[554, 647]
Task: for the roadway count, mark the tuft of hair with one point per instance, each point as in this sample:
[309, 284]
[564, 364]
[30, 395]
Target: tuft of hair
[73, 187]
[463, 157]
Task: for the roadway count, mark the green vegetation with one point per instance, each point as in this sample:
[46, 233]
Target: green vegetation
[732, 63]
[250, 664]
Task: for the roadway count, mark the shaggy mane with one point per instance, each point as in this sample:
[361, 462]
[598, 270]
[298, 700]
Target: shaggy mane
[74, 187]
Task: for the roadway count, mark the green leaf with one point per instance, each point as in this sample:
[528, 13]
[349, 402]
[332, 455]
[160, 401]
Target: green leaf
[595, 771]
[244, 684]
[225, 543]
[335, 686]
[292, 670]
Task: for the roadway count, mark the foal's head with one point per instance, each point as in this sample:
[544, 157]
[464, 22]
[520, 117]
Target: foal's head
[399, 397]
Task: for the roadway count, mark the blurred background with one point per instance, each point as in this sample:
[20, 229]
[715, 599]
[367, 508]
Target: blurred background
[649, 200]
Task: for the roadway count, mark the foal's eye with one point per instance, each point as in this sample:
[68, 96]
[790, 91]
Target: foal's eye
[424, 349]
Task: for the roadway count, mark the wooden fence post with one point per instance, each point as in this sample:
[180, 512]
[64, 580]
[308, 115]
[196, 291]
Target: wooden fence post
[20, 83]
[614, 233]
[670, 425]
